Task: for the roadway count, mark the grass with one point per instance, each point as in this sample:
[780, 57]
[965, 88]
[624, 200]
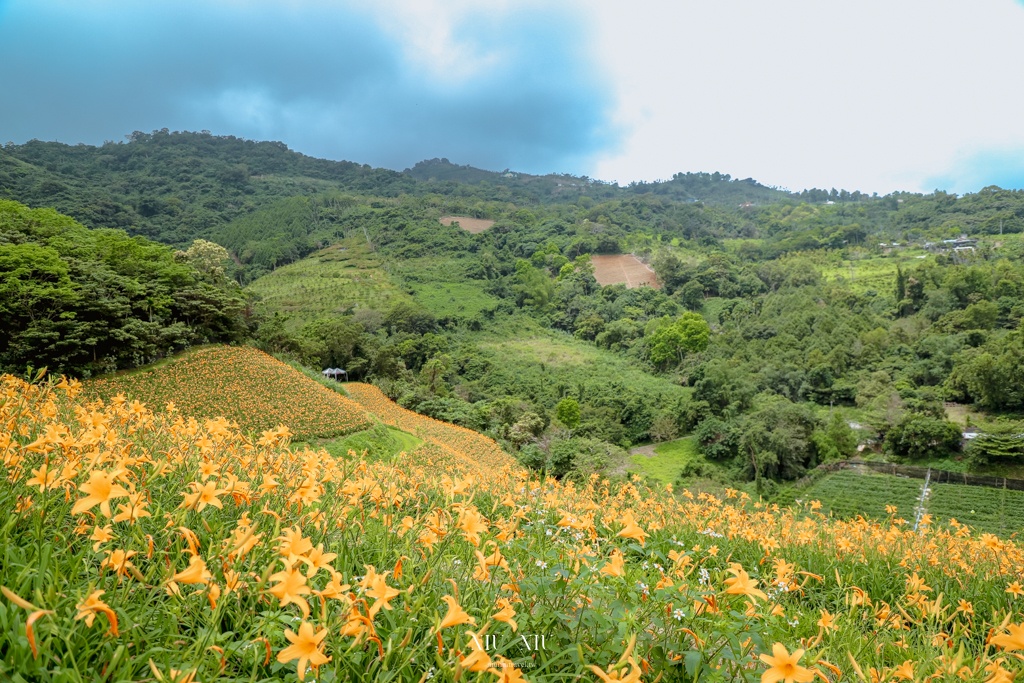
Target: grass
[340, 278]
[712, 308]
[555, 352]
[667, 460]
[441, 286]
[545, 366]
[876, 273]
[379, 442]
[246, 386]
[453, 299]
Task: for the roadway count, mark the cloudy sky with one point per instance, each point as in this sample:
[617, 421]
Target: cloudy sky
[878, 95]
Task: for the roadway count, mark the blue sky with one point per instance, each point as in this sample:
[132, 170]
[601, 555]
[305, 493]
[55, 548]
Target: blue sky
[877, 96]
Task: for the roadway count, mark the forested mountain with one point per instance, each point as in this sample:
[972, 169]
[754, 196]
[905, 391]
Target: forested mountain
[779, 317]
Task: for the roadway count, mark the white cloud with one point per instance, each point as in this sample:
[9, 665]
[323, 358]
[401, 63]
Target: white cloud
[428, 31]
[876, 95]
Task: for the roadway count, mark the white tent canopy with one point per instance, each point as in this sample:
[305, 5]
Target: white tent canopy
[335, 373]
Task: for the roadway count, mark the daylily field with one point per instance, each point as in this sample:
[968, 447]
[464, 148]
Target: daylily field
[244, 385]
[140, 544]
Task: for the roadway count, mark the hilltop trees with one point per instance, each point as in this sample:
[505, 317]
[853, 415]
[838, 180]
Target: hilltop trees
[86, 301]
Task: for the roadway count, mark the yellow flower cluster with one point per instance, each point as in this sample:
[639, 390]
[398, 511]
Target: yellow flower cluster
[292, 555]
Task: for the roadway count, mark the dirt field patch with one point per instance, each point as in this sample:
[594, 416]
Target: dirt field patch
[624, 268]
[473, 225]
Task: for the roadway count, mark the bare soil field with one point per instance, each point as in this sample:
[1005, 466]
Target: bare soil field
[473, 225]
[625, 268]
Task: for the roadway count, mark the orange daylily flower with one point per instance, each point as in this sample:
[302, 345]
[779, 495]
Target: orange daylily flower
[382, 594]
[93, 605]
[317, 559]
[827, 622]
[42, 477]
[505, 613]
[1012, 639]
[742, 584]
[100, 490]
[305, 647]
[621, 675]
[119, 561]
[292, 545]
[784, 666]
[196, 572]
[616, 564]
[630, 528]
[905, 671]
[478, 659]
[291, 586]
[203, 495]
[456, 615]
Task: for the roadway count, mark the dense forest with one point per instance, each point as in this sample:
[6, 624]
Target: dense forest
[781, 318]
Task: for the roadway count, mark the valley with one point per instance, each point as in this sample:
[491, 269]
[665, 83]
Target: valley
[611, 415]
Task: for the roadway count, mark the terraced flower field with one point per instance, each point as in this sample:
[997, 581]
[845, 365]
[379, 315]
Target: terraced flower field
[471, 448]
[243, 385]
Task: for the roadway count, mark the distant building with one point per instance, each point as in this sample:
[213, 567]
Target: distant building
[961, 244]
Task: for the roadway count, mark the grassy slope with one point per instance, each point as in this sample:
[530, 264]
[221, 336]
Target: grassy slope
[378, 442]
[874, 272]
[667, 459]
[341, 277]
[440, 286]
[527, 349]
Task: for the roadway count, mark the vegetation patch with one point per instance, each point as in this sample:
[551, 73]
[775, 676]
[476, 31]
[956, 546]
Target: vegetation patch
[863, 271]
[665, 461]
[548, 351]
[241, 384]
[378, 442]
[453, 299]
[854, 492]
[340, 278]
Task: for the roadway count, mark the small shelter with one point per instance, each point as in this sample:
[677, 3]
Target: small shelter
[335, 373]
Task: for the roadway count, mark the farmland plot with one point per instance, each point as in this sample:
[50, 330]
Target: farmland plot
[611, 269]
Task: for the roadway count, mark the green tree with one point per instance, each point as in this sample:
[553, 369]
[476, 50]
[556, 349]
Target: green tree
[691, 295]
[669, 341]
[921, 436]
[836, 441]
[568, 412]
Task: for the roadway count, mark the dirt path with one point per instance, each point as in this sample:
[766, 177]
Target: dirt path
[647, 450]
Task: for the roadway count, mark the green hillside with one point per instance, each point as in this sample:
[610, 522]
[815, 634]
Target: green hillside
[341, 278]
[778, 318]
